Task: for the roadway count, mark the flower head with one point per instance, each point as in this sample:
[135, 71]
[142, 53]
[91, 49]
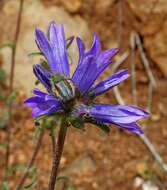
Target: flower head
[74, 96]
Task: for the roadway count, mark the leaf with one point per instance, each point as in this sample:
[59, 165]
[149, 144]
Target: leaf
[9, 45]
[2, 75]
[4, 119]
[5, 186]
[3, 145]
[11, 98]
[71, 188]
[64, 178]
[31, 184]
[33, 172]
[16, 167]
[34, 54]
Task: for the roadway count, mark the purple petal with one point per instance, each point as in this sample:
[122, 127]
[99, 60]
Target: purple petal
[132, 127]
[106, 113]
[91, 64]
[96, 45]
[81, 48]
[43, 76]
[117, 114]
[45, 47]
[58, 45]
[41, 111]
[35, 100]
[49, 97]
[43, 104]
[37, 92]
[110, 82]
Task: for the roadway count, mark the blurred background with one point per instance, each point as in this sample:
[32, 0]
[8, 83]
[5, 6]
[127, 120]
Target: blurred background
[91, 159]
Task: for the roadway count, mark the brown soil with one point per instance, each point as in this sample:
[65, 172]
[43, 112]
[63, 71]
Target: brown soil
[111, 161]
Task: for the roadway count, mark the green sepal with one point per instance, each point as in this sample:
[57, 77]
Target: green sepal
[47, 122]
[76, 122]
[57, 78]
[44, 64]
[104, 127]
[37, 82]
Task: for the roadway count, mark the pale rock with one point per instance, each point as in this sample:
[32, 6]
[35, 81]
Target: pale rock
[72, 6]
[155, 117]
[34, 15]
[148, 6]
[152, 13]
[83, 164]
[148, 185]
[101, 6]
[138, 181]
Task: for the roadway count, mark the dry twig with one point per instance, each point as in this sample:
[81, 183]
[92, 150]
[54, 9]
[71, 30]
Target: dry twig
[133, 67]
[143, 137]
[12, 69]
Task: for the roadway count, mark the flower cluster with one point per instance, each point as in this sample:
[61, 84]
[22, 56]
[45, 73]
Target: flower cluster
[74, 96]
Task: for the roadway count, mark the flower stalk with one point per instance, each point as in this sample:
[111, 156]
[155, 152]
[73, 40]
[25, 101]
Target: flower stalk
[57, 153]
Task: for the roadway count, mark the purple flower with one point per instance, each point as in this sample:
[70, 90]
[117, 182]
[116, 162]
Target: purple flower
[74, 96]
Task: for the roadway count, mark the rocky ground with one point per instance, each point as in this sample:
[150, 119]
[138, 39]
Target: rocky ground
[93, 160]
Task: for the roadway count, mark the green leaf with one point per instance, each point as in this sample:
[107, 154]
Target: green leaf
[16, 167]
[2, 75]
[11, 98]
[7, 45]
[5, 186]
[33, 172]
[4, 119]
[3, 145]
[31, 184]
[34, 54]
[71, 188]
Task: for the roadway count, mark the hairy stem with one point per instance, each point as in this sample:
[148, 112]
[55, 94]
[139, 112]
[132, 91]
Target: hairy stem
[13, 61]
[31, 162]
[57, 153]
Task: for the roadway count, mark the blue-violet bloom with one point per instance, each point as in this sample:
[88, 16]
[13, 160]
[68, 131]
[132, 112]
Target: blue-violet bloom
[74, 96]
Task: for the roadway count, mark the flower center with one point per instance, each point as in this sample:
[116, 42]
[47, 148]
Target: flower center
[63, 88]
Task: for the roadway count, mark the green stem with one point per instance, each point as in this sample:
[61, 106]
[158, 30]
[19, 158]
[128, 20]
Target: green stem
[57, 153]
